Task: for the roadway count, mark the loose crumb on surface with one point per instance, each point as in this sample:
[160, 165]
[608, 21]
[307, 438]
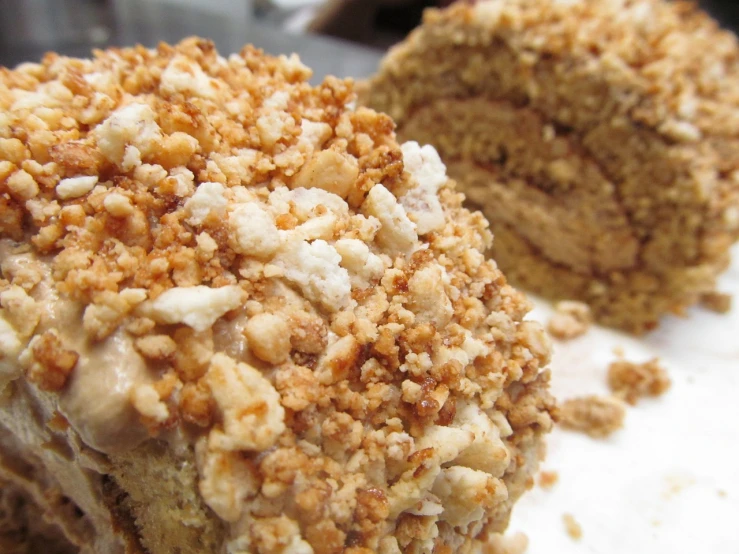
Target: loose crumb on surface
[547, 479]
[597, 416]
[718, 302]
[630, 381]
[574, 529]
[570, 320]
[722, 493]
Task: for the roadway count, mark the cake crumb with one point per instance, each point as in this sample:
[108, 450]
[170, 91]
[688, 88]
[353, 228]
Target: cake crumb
[722, 493]
[547, 479]
[718, 302]
[570, 320]
[574, 529]
[598, 416]
[630, 381]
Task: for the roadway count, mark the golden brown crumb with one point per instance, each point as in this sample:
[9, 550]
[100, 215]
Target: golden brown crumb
[51, 363]
[196, 404]
[571, 319]
[597, 416]
[630, 381]
[718, 302]
[547, 479]
[573, 528]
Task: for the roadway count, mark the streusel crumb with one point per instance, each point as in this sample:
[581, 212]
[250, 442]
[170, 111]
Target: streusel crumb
[596, 416]
[277, 322]
[631, 381]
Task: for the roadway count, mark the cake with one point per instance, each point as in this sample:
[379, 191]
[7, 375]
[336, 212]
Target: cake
[238, 316]
[601, 139]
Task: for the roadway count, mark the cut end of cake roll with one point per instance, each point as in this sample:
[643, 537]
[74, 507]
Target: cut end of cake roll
[238, 316]
[601, 139]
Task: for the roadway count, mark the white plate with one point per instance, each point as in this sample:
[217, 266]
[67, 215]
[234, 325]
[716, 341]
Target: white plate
[668, 482]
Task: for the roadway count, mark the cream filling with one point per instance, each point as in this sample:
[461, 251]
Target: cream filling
[96, 400]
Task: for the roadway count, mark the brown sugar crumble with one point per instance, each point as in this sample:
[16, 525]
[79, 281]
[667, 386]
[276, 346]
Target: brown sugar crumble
[571, 319]
[631, 381]
[597, 416]
[547, 479]
[277, 322]
[573, 528]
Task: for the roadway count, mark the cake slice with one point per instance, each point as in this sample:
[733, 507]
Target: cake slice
[238, 316]
[601, 139]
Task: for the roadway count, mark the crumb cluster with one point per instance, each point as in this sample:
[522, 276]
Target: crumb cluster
[601, 139]
[631, 381]
[597, 416]
[290, 288]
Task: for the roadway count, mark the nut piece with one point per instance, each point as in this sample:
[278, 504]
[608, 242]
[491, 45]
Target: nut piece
[269, 337]
[397, 233]
[328, 170]
[74, 187]
[226, 480]
[595, 415]
[630, 381]
[198, 306]
[249, 405]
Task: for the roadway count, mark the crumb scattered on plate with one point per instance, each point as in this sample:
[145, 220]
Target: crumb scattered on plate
[574, 529]
[631, 381]
[597, 416]
[547, 479]
[570, 320]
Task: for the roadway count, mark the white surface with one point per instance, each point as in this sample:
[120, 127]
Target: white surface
[668, 482]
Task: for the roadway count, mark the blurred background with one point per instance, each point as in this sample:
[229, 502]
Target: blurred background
[341, 37]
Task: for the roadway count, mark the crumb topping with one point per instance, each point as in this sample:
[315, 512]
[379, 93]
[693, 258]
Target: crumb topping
[304, 297]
